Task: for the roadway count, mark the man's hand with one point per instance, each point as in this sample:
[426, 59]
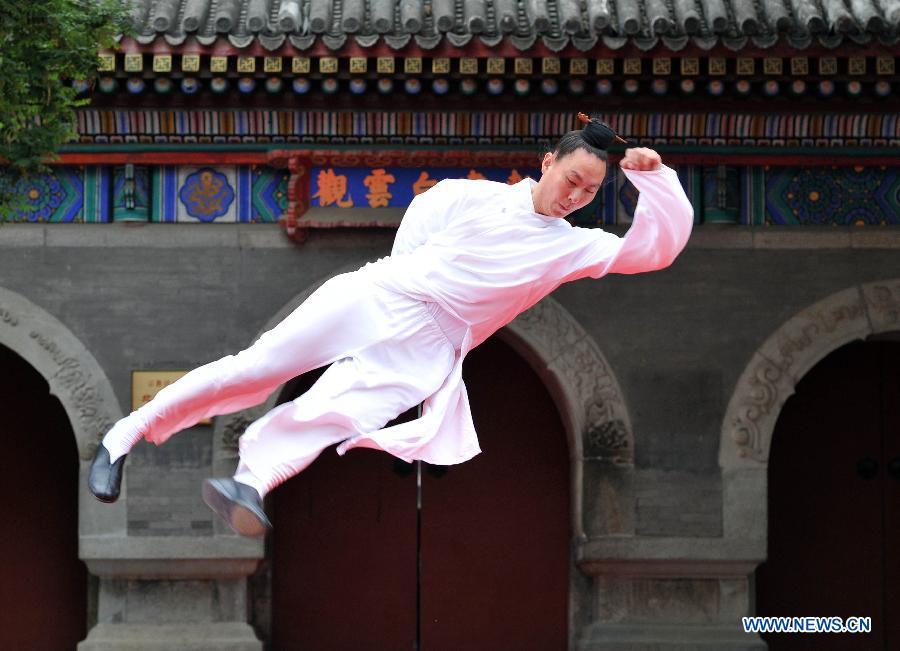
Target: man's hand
[640, 158]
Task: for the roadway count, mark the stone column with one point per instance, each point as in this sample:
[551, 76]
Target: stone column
[163, 593]
[668, 593]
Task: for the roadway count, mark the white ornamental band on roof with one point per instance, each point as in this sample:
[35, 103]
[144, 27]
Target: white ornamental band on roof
[558, 23]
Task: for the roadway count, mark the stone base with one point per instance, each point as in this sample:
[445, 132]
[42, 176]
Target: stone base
[223, 636]
[651, 637]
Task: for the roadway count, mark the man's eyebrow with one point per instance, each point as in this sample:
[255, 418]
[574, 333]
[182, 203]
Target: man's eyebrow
[579, 177]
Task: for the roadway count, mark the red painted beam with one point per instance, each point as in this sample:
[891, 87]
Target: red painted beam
[162, 158]
[774, 159]
[461, 158]
[407, 158]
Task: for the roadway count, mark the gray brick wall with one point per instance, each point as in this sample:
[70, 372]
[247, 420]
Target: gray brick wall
[672, 503]
[172, 296]
[164, 486]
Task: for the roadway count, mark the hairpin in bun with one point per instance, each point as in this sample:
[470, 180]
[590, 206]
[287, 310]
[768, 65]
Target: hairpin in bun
[597, 133]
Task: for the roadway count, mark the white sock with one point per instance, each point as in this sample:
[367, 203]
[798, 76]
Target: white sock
[245, 476]
[121, 438]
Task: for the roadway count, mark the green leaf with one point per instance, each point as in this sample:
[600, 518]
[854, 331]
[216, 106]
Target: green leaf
[44, 45]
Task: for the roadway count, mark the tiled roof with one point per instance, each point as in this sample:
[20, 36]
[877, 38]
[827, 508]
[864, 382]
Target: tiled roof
[524, 23]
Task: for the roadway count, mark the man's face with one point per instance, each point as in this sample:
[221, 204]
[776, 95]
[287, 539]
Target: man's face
[568, 183]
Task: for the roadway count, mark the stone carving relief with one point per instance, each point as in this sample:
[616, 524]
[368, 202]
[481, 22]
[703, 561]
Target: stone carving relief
[236, 424]
[8, 318]
[883, 305]
[762, 397]
[608, 439]
[76, 387]
[578, 366]
[776, 367]
[73, 374]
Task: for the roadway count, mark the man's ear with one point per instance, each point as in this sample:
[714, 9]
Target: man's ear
[548, 159]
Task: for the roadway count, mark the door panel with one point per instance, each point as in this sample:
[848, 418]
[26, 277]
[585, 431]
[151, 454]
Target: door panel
[829, 500]
[495, 534]
[344, 553]
[44, 584]
[890, 370]
[495, 549]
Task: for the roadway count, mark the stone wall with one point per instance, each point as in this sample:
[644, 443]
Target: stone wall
[160, 296]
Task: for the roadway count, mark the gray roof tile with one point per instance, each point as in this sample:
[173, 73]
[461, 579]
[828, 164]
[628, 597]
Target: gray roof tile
[258, 14]
[558, 23]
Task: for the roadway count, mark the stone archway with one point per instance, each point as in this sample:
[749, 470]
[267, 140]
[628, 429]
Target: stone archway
[82, 387]
[587, 396]
[769, 380]
[566, 358]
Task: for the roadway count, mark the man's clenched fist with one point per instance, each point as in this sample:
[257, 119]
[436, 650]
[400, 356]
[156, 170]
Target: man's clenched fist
[640, 158]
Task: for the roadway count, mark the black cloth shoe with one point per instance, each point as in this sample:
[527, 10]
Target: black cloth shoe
[238, 504]
[105, 479]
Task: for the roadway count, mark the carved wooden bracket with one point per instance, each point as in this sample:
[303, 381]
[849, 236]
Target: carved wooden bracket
[298, 191]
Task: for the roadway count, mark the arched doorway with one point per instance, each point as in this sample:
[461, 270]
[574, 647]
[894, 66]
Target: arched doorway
[834, 500]
[44, 586]
[495, 534]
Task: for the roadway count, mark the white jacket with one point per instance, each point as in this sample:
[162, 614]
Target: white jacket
[479, 250]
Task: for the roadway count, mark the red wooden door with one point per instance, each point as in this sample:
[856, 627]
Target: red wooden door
[344, 553]
[495, 548]
[833, 529]
[494, 542]
[890, 408]
[43, 590]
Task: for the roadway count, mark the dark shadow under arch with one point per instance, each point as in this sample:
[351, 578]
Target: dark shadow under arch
[44, 584]
[833, 495]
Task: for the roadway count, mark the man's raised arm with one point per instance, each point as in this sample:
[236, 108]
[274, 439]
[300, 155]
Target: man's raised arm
[663, 219]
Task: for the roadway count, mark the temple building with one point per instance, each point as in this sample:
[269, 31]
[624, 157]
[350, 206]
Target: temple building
[663, 454]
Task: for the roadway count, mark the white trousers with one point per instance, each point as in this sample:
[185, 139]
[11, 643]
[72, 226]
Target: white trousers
[388, 352]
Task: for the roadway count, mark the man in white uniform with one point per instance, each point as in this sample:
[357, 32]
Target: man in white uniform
[468, 257]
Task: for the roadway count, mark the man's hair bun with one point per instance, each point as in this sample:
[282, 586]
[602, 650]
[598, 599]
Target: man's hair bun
[598, 134]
